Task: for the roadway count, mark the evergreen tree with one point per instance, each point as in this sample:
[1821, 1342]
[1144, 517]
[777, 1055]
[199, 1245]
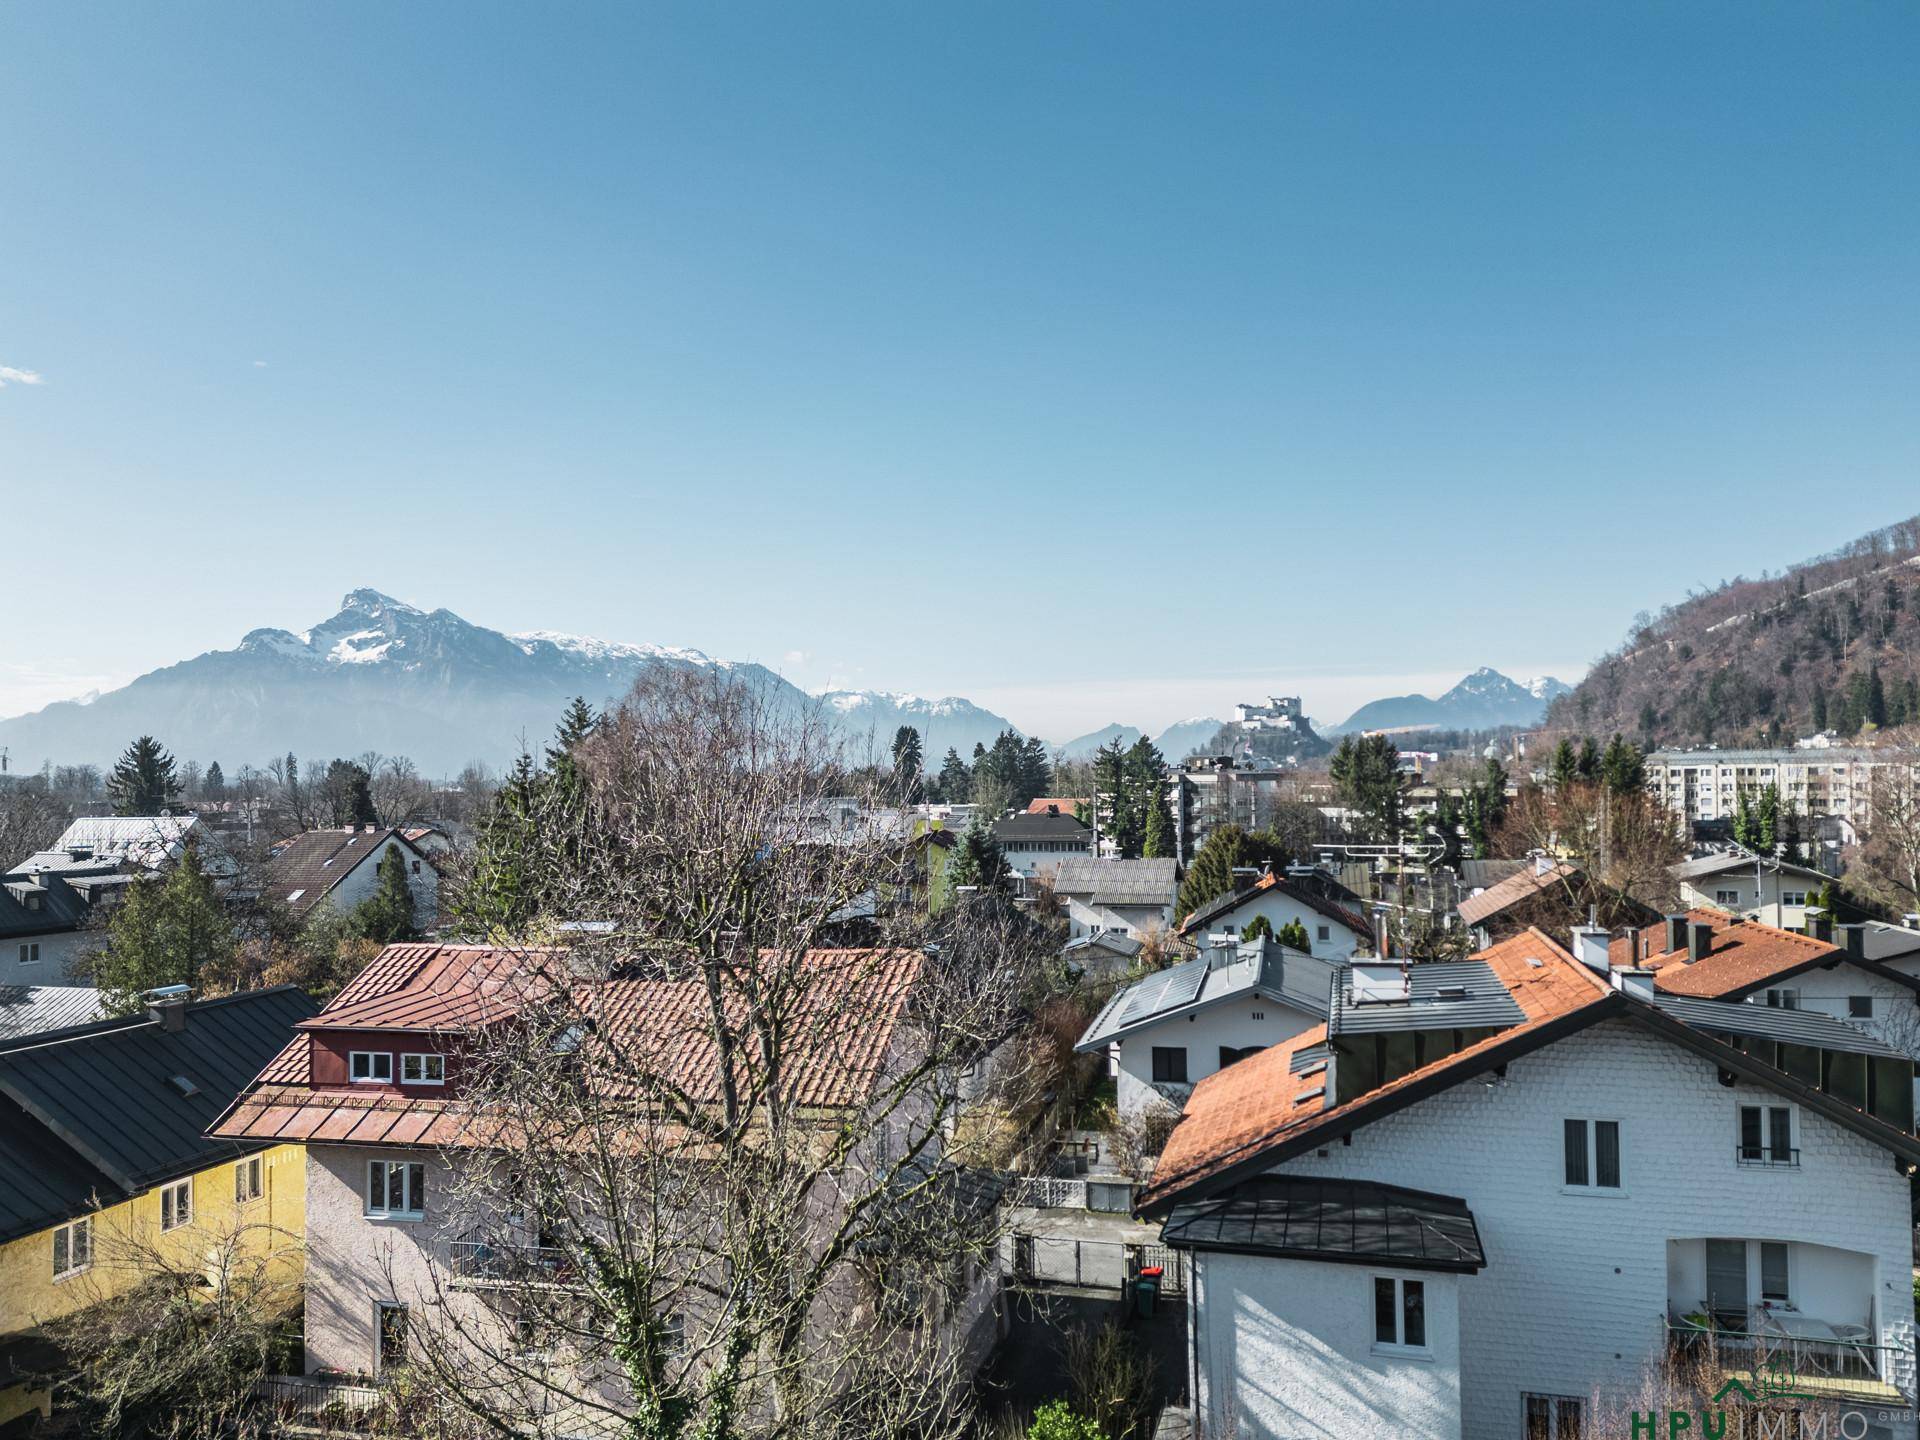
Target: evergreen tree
[907, 760]
[1110, 792]
[1035, 771]
[1366, 777]
[349, 793]
[215, 784]
[1587, 765]
[1876, 697]
[1293, 935]
[164, 933]
[577, 722]
[1623, 768]
[1160, 842]
[143, 782]
[386, 916]
[1564, 768]
[1210, 873]
[977, 860]
[499, 898]
[1260, 929]
[954, 778]
[1819, 709]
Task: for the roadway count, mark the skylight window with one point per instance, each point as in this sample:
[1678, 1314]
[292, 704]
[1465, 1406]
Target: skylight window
[295, 896]
[185, 1086]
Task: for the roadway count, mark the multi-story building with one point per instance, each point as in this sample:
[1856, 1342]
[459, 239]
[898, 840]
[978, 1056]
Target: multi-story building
[1832, 787]
[106, 1172]
[1530, 1201]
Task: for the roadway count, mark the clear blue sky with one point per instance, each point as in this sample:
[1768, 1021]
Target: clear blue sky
[1094, 361]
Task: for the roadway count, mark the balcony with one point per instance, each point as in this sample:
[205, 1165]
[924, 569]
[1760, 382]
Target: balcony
[1766, 1157]
[1786, 1354]
[495, 1264]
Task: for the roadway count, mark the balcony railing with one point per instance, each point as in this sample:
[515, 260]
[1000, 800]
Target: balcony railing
[1844, 1362]
[482, 1263]
[1767, 1157]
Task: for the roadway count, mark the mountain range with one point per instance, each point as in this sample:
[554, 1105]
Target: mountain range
[386, 676]
[1484, 700]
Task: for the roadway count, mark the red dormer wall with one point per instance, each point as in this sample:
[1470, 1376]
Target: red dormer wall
[331, 1048]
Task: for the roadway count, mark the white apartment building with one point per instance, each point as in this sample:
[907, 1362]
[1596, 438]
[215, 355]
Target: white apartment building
[1832, 785]
[1402, 1224]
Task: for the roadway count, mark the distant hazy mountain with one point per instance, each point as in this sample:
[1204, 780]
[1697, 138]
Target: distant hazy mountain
[1187, 737]
[1483, 700]
[951, 723]
[386, 676]
[1081, 747]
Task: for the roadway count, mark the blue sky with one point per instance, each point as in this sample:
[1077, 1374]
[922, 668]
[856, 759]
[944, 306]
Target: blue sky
[1094, 361]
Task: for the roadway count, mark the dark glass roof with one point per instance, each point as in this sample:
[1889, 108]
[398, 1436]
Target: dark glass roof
[1351, 1222]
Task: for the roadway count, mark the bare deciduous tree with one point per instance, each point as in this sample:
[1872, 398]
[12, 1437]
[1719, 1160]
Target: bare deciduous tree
[711, 1172]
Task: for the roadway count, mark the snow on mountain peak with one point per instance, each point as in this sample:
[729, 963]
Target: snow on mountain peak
[363, 647]
[585, 647]
[372, 603]
[1545, 687]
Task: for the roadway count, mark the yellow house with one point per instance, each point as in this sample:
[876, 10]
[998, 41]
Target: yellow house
[107, 1176]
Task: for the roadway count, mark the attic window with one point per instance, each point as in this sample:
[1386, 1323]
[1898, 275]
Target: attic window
[1536, 964]
[1452, 992]
[185, 1086]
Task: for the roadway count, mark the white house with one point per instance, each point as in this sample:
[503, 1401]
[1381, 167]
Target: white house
[1335, 929]
[1774, 892]
[1167, 1032]
[342, 868]
[1133, 897]
[1470, 1210]
[1032, 845]
[132, 844]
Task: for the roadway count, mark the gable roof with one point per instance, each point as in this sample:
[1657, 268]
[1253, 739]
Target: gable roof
[144, 841]
[1118, 882]
[1227, 904]
[1523, 884]
[304, 869]
[1267, 1108]
[1013, 829]
[98, 1109]
[1744, 956]
[1719, 864]
[41, 903]
[1288, 977]
[857, 998]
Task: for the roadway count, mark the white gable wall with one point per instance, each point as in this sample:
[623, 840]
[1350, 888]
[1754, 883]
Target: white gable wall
[1202, 1032]
[1339, 942]
[1574, 1279]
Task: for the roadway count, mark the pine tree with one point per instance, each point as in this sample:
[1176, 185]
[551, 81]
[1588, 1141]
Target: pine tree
[143, 782]
[1623, 768]
[1819, 709]
[954, 778]
[1564, 768]
[386, 916]
[216, 782]
[1035, 772]
[1293, 935]
[1876, 697]
[907, 759]
[1210, 875]
[1160, 842]
[977, 861]
[1366, 777]
[1587, 765]
[1110, 792]
[349, 793]
[499, 898]
[165, 932]
[1260, 928]
[577, 722]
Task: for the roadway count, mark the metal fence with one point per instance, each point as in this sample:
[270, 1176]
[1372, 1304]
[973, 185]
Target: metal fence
[1063, 1261]
[317, 1402]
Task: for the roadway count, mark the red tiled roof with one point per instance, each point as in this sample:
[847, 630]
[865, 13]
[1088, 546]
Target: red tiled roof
[1521, 885]
[1235, 1114]
[852, 1006]
[1744, 955]
[1227, 904]
[1046, 803]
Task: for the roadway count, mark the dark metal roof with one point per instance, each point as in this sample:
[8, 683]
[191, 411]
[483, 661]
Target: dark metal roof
[95, 1108]
[1795, 1027]
[1449, 995]
[40, 905]
[1257, 967]
[1344, 1222]
[32, 1009]
[1016, 829]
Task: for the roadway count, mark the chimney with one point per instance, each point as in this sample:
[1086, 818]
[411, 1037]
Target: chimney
[1385, 936]
[1699, 941]
[1821, 925]
[1856, 941]
[1676, 933]
[1637, 983]
[167, 1007]
[1911, 920]
[1542, 862]
[1590, 948]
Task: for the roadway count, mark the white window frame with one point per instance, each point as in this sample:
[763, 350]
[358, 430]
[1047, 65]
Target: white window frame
[355, 1056]
[1783, 998]
[30, 952]
[1796, 898]
[1728, 898]
[427, 1060]
[1767, 1160]
[1555, 1404]
[1398, 1345]
[176, 1205]
[249, 1180]
[413, 1186]
[80, 1254]
[1593, 1185]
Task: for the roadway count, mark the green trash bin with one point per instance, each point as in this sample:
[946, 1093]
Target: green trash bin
[1146, 1288]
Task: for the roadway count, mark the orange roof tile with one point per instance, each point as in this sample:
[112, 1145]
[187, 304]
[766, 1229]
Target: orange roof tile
[1053, 803]
[1236, 1113]
[1744, 956]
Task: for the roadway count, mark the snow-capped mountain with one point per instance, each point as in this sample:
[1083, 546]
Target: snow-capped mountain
[387, 676]
[948, 723]
[1483, 700]
[1081, 747]
[379, 675]
[1188, 737]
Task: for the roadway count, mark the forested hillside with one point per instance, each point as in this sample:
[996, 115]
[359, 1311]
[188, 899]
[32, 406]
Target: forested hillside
[1833, 643]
